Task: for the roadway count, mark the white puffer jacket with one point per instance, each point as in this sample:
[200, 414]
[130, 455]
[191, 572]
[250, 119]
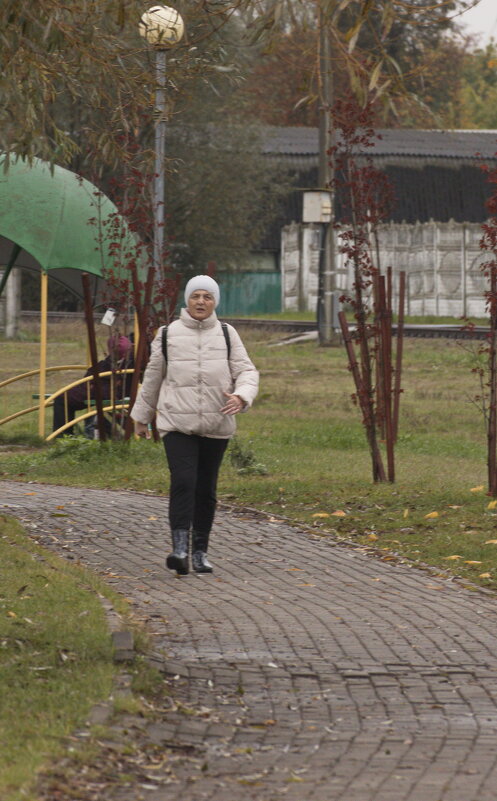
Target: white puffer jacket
[188, 393]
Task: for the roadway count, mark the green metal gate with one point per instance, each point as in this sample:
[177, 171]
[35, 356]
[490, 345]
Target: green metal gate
[249, 293]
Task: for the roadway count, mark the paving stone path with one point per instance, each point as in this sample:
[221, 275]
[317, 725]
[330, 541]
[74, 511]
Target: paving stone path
[316, 671]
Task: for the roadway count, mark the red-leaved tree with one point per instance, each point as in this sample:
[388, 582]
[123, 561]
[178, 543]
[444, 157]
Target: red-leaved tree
[488, 375]
[134, 284]
[365, 198]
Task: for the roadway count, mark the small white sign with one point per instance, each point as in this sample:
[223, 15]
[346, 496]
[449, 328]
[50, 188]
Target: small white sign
[316, 207]
[109, 317]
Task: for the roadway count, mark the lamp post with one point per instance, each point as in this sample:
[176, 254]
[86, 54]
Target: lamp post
[162, 27]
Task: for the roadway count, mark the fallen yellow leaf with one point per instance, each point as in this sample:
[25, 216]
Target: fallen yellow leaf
[406, 513]
[477, 489]
[490, 542]
[152, 517]
[455, 556]
[338, 513]
[373, 537]
[492, 505]
[11, 614]
[485, 575]
[320, 514]
[472, 562]
[431, 514]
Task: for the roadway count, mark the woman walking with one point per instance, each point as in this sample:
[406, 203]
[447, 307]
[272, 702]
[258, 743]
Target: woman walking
[199, 376]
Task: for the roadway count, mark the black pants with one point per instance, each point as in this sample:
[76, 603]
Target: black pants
[194, 464]
[59, 413]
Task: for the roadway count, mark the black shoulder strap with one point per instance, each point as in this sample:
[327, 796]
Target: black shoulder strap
[226, 333]
[164, 342]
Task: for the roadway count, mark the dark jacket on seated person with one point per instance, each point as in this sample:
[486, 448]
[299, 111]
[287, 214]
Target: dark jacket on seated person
[120, 357]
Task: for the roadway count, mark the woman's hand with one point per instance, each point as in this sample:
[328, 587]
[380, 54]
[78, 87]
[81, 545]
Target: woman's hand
[233, 405]
[142, 430]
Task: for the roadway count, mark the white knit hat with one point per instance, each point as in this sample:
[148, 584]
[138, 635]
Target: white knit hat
[204, 282]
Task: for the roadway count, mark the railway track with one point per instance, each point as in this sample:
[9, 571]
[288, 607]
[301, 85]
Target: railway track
[410, 330]
[431, 331]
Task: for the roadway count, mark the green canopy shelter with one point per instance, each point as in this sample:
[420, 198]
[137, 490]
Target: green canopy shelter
[52, 220]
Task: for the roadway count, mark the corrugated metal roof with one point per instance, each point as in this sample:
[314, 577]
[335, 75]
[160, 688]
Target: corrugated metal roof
[394, 142]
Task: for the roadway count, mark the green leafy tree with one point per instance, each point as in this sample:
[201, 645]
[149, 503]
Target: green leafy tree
[478, 90]
[60, 61]
[76, 79]
[77, 87]
[221, 195]
[392, 51]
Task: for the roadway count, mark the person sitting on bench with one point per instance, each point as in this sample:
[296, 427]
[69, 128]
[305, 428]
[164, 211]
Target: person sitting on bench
[120, 357]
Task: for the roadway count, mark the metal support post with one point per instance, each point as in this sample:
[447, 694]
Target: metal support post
[160, 155]
[43, 352]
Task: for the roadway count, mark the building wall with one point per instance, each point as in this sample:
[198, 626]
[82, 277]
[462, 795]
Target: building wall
[441, 261]
[300, 249]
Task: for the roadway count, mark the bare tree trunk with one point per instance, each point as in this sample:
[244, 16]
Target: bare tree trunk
[365, 402]
[141, 352]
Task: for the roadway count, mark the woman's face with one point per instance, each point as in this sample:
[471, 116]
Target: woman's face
[200, 304]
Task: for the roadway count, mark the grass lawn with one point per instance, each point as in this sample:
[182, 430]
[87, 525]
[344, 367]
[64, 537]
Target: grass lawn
[55, 656]
[301, 453]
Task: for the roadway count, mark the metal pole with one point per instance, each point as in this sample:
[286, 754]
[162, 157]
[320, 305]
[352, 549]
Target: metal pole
[160, 154]
[43, 351]
[325, 179]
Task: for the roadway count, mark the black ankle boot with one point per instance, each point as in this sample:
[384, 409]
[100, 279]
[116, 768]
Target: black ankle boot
[178, 560]
[200, 543]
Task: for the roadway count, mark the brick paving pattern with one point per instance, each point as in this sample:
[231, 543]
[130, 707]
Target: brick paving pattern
[315, 671]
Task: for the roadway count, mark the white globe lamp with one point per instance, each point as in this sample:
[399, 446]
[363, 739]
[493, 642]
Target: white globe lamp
[161, 26]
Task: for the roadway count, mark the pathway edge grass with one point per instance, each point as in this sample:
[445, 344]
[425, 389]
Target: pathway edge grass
[56, 656]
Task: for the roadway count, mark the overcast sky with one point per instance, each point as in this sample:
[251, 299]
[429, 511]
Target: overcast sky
[482, 21]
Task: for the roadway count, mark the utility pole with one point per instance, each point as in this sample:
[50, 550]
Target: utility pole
[327, 277]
